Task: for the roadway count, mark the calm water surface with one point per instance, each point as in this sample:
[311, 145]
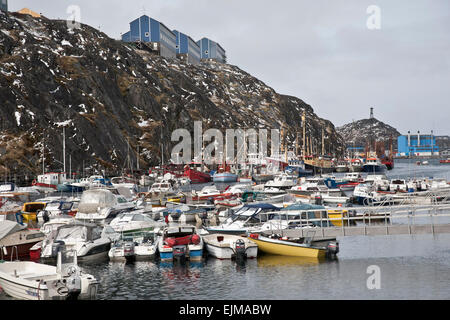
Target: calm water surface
[411, 267]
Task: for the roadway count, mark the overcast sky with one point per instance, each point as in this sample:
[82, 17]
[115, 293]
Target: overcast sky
[319, 51]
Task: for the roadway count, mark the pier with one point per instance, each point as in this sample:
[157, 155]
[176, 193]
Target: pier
[413, 213]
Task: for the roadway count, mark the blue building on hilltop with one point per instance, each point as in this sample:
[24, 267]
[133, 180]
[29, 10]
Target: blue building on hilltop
[159, 38]
[4, 5]
[417, 145]
[187, 49]
[212, 50]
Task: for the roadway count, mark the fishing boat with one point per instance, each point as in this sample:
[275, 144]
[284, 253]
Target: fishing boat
[296, 247]
[179, 243]
[226, 246]
[49, 182]
[373, 165]
[342, 166]
[191, 171]
[27, 280]
[223, 175]
[355, 165]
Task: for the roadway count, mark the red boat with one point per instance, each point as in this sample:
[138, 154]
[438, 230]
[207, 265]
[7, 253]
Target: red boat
[194, 175]
[445, 161]
[389, 164]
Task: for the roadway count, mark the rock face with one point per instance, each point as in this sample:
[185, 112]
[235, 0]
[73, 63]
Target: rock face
[365, 131]
[114, 99]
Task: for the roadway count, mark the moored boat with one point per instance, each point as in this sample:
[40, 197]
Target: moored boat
[226, 246]
[296, 247]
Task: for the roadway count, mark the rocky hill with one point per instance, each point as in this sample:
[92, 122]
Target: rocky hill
[113, 99]
[361, 132]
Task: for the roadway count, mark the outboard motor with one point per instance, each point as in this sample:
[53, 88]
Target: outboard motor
[239, 249]
[332, 249]
[45, 216]
[73, 284]
[128, 251]
[179, 254]
[58, 246]
[318, 200]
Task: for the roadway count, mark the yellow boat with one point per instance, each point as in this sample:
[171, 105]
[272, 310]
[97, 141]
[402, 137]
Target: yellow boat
[30, 210]
[335, 217]
[293, 248]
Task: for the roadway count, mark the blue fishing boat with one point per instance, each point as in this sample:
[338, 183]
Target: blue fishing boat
[225, 177]
[373, 165]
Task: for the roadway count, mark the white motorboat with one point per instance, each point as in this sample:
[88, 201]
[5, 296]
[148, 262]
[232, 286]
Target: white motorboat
[56, 208]
[33, 281]
[134, 221]
[282, 181]
[398, 185]
[245, 219]
[89, 241]
[101, 205]
[179, 243]
[161, 188]
[137, 246]
[227, 246]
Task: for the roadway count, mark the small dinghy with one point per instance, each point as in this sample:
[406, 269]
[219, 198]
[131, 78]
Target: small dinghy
[227, 246]
[33, 281]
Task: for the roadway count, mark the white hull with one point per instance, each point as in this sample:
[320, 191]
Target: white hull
[225, 249]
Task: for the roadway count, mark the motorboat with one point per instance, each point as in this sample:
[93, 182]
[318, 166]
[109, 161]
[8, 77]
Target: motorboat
[398, 185]
[126, 182]
[138, 246]
[16, 240]
[179, 243]
[296, 247]
[282, 181]
[207, 193]
[90, 241]
[356, 165]
[379, 181]
[48, 182]
[30, 210]
[54, 209]
[101, 205]
[185, 214]
[133, 221]
[47, 228]
[227, 246]
[248, 217]
[161, 188]
[27, 280]
[312, 186]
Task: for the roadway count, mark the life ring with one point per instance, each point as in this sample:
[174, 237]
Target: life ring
[34, 182]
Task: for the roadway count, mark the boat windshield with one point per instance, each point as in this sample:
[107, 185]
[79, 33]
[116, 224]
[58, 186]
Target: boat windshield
[78, 232]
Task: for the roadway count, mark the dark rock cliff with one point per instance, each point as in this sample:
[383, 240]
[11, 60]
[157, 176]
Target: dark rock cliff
[113, 99]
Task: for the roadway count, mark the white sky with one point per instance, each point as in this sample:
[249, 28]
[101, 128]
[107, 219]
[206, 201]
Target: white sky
[319, 51]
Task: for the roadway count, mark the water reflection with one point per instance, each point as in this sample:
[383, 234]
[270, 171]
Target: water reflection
[271, 260]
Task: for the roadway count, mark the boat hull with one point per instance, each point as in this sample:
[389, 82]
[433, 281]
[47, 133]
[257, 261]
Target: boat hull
[373, 168]
[225, 177]
[284, 248]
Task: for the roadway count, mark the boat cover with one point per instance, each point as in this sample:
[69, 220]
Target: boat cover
[9, 227]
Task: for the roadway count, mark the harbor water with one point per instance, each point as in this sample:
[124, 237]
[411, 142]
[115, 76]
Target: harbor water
[410, 267]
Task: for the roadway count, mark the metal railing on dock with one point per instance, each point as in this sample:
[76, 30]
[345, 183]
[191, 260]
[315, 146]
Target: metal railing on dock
[414, 213]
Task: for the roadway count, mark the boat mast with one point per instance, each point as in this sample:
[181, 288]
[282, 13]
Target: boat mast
[304, 134]
[43, 151]
[64, 149]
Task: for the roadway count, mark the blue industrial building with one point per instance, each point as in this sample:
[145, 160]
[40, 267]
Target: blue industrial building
[187, 49]
[212, 50]
[417, 145]
[4, 5]
[159, 38]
